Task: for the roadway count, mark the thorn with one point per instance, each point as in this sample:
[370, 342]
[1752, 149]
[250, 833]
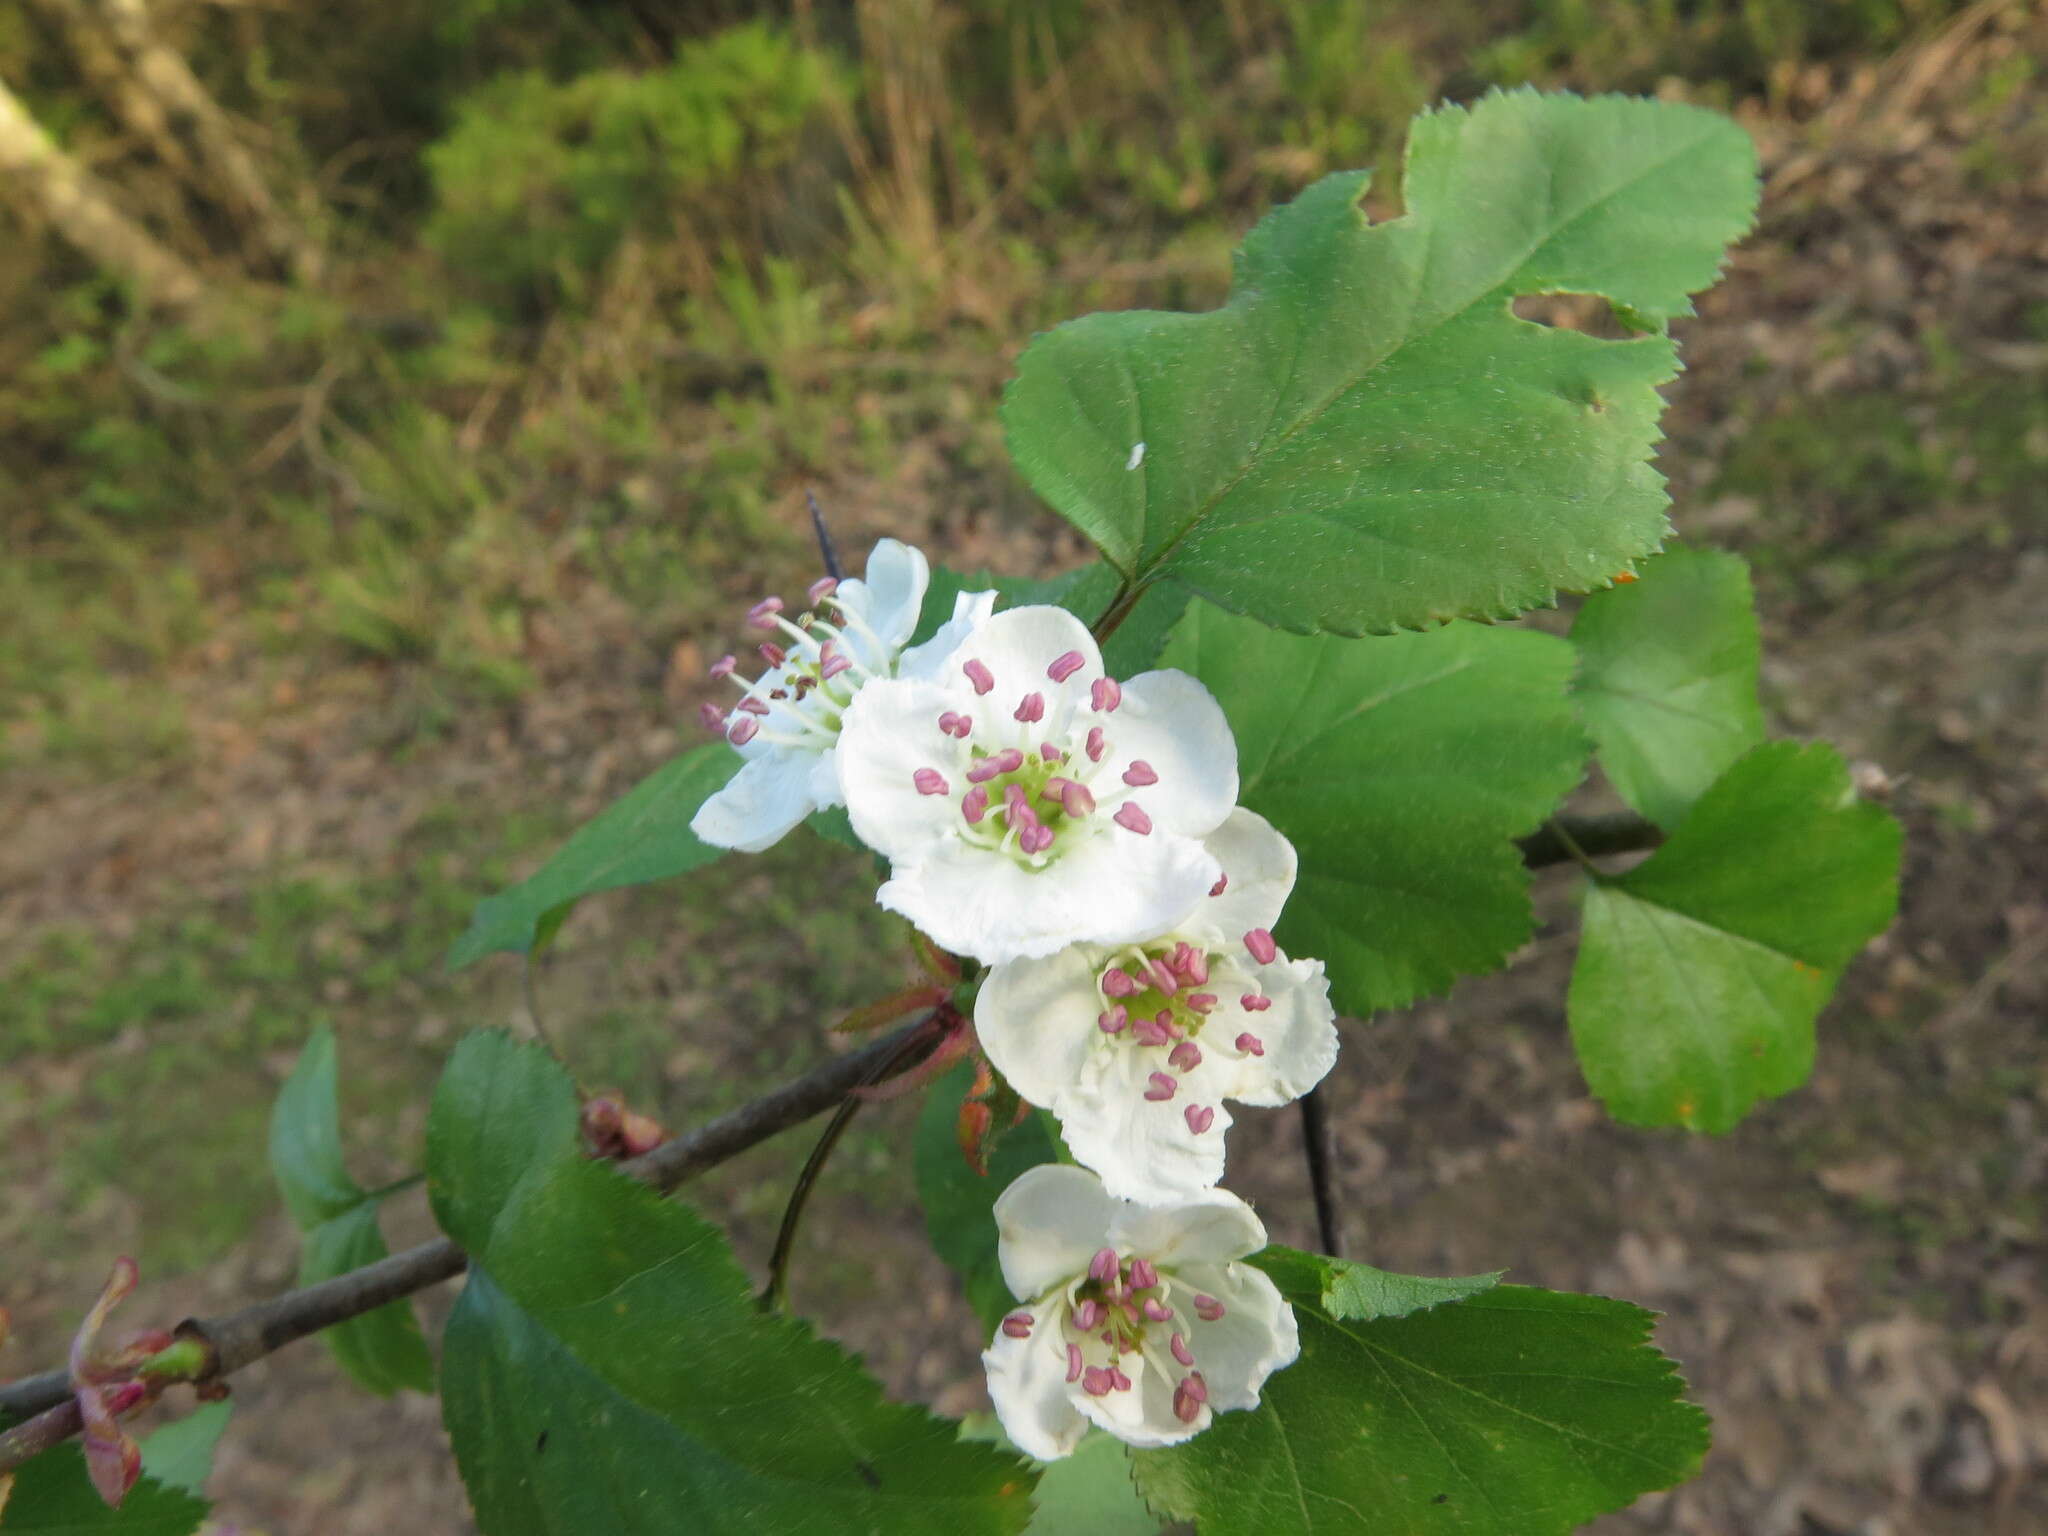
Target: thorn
[826, 552]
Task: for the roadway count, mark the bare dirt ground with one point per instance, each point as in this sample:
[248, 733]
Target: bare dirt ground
[1854, 1279]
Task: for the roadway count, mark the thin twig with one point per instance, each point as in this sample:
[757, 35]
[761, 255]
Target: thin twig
[1320, 1146]
[1565, 838]
[1118, 610]
[826, 552]
[540, 1029]
[234, 1339]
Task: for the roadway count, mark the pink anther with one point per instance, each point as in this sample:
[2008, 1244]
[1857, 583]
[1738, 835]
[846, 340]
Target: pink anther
[1064, 667]
[978, 674]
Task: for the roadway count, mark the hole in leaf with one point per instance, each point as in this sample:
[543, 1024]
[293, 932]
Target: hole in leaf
[1586, 312]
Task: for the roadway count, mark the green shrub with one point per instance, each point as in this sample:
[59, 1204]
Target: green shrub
[540, 180]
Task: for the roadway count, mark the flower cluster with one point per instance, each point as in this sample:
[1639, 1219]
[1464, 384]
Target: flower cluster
[1079, 837]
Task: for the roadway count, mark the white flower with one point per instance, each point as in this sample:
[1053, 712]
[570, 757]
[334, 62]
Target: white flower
[1136, 1046]
[1026, 801]
[787, 724]
[1136, 1318]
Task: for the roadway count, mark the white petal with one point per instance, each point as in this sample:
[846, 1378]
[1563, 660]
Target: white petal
[896, 577]
[1027, 1381]
[1171, 722]
[1036, 1020]
[1017, 647]
[970, 609]
[769, 795]
[1143, 1149]
[1298, 1031]
[1210, 1228]
[889, 731]
[1049, 1223]
[1255, 1337]
[824, 787]
[1144, 1415]
[1259, 866]
[1114, 887]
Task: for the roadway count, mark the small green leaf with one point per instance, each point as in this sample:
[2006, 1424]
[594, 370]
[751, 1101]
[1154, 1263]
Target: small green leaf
[1513, 1412]
[1402, 768]
[1667, 678]
[959, 1203]
[1366, 437]
[1090, 1493]
[383, 1350]
[180, 1455]
[53, 1496]
[1701, 970]
[1362, 1293]
[641, 837]
[607, 1367]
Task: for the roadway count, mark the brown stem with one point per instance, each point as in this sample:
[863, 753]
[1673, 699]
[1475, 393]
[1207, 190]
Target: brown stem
[236, 1338]
[1118, 610]
[1564, 838]
[1319, 1144]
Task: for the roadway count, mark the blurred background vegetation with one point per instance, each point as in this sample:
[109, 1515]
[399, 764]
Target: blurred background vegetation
[372, 496]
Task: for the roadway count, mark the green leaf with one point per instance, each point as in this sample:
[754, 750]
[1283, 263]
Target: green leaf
[53, 1496]
[607, 1368]
[1667, 678]
[180, 1455]
[1515, 1412]
[1086, 593]
[1366, 437]
[641, 837]
[1362, 1293]
[1402, 768]
[1701, 970]
[1090, 1493]
[959, 1203]
[383, 1350]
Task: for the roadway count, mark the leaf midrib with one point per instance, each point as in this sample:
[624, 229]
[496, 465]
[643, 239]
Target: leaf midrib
[1144, 572]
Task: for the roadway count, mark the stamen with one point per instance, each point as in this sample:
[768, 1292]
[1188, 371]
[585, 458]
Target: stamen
[1140, 773]
[778, 694]
[1157, 1310]
[772, 653]
[743, 730]
[1105, 695]
[1253, 1002]
[1261, 945]
[1103, 1266]
[1201, 1002]
[1009, 760]
[1035, 838]
[1096, 1381]
[1017, 1325]
[978, 674]
[1186, 1056]
[1162, 1089]
[1179, 1345]
[1150, 1032]
[1162, 977]
[1066, 666]
[1073, 797]
[1199, 1118]
[712, 716]
[1144, 1274]
[1097, 744]
[1115, 983]
[1131, 816]
[1087, 1315]
[1221, 882]
[1186, 1406]
[753, 706]
[1031, 709]
[1113, 1021]
[831, 663]
[762, 614]
[1118, 1381]
[821, 589]
[724, 665]
[930, 781]
[955, 724]
[1073, 1362]
[1251, 1044]
[1208, 1308]
[1051, 754]
[974, 804]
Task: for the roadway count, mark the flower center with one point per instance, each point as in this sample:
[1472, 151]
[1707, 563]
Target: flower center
[1159, 998]
[800, 700]
[1105, 1316]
